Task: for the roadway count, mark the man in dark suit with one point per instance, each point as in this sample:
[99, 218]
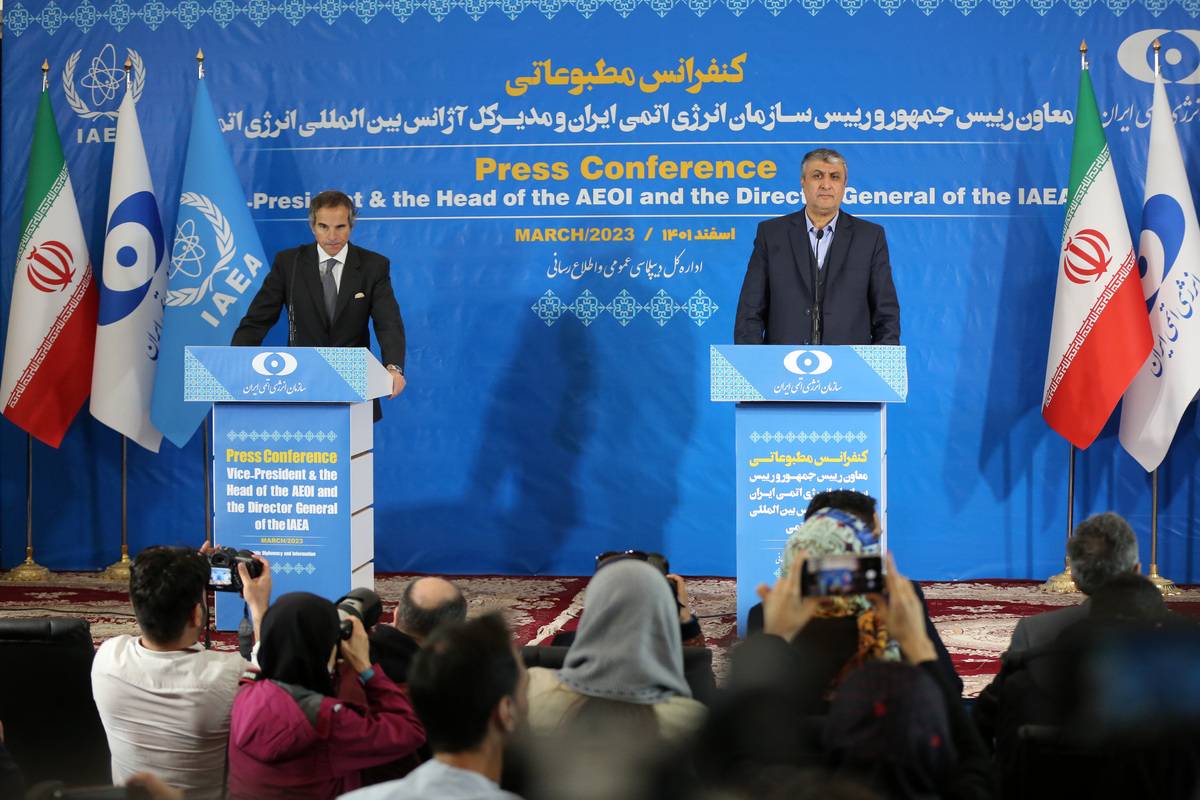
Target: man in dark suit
[331, 288]
[819, 276]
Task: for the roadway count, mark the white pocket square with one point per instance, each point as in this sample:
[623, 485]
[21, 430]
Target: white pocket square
[359, 296]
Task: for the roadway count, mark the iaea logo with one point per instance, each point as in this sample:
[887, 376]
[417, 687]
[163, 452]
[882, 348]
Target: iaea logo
[274, 363]
[807, 362]
[1180, 55]
[102, 82]
[189, 254]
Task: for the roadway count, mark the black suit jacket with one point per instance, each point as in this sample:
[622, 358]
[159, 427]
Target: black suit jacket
[365, 293]
[776, 303]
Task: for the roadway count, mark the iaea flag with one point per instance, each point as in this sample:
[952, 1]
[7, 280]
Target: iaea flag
[133, 287]
[216, 268]
[1169, 258]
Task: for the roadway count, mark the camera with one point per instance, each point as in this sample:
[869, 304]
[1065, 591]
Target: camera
[362, 603]
[837, 576]
[224, 576]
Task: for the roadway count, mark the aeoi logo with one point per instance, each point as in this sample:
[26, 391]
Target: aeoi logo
[1180, 55]
[807, 362]
[274, 363]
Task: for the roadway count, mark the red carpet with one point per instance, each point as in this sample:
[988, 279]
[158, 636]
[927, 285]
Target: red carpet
[975, 618]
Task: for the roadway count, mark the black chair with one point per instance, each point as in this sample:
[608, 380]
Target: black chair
[51, 725]
[697, 666]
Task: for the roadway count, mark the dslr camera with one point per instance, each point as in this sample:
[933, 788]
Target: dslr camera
[362, 603]
[224, 576]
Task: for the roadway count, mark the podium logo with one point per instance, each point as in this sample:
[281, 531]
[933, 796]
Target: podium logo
[1180, 55]
[271, 364]
[807, 362]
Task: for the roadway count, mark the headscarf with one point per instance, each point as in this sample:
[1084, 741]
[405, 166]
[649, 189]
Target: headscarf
[888, 724]
[831, 532]
[627, 647]
[299, 631]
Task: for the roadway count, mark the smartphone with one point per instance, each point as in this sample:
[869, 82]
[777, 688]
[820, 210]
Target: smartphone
[221, 576]
[836, 576]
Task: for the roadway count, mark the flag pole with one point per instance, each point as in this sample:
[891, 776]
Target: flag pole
[207, 448]
[119, 570]
[1164, 584]
[1063, 583]
[29, 571]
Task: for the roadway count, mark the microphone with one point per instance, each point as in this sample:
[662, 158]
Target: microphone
[818, 289]
[291, 306]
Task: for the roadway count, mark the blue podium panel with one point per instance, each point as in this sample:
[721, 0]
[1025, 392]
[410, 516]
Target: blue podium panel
[282, 489]
[809, 419]
[786, 454]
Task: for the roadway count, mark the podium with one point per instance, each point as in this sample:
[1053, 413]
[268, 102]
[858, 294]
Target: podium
[292, 466]
[808, 420]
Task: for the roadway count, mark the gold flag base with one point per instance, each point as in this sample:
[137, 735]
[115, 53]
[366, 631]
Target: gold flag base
[27, 572]
[118, 571]
[1062, 583]
[1164, 585]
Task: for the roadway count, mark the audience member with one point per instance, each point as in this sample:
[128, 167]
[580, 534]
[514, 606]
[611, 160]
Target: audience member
[426, 604]
[470, 689]
[627, 655]
[289, 736]
[164, 700]
[690, 631]
[847, 631]
[1103, 547]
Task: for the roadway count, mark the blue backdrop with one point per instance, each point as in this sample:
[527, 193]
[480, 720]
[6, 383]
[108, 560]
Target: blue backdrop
[557, 402]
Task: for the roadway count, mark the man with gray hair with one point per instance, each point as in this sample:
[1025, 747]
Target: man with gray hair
[1102, 548]
[819, 275]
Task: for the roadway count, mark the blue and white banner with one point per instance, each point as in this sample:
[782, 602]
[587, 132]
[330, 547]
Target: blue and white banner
[569, 203]
[217, 265]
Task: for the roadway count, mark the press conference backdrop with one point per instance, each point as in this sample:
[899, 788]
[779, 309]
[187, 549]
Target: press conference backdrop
[549, 180]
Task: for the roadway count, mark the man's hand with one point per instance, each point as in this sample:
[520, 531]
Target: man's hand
[785, 612]
[398, 384]
[205, 548]
[357, 649]
[904, 617]
[256, 592]
[681, 598]
[153, 787]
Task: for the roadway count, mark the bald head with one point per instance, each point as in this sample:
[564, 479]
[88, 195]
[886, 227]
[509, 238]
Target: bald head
[428, 603]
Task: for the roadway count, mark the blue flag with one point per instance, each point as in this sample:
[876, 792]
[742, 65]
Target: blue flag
[217, 265]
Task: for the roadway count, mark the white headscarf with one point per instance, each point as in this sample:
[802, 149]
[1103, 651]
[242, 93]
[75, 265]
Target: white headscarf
[628, 646]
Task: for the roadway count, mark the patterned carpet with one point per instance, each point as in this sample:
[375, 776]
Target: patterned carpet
[974, 618]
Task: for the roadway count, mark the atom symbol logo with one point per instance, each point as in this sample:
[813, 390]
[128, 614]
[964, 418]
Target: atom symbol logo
[104, 77]
[187, 256]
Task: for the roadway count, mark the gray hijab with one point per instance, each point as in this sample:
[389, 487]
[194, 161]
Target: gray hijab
[628, 646]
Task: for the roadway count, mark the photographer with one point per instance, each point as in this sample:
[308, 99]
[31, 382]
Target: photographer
[165, 700]
[291, 736]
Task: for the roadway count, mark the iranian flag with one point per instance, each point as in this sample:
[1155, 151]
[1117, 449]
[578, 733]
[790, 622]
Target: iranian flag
[52, 318]
[1101, 333]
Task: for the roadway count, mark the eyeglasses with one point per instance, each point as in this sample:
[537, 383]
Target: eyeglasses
[656, 560]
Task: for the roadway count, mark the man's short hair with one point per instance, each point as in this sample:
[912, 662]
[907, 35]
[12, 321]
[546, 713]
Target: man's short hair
[823, 154]
[459, 677]
[165, 584]
[331, 198]
[424, 621]
[856, 503]
[1103, 547]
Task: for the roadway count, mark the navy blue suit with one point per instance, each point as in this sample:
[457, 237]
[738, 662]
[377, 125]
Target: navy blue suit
[776, 303]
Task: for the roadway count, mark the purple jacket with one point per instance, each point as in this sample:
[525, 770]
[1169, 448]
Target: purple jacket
[291, 743]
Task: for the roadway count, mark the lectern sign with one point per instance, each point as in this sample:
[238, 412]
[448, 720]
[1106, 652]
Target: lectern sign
[810, 420]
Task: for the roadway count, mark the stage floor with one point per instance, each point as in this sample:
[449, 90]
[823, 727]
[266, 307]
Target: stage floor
[975, 618]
